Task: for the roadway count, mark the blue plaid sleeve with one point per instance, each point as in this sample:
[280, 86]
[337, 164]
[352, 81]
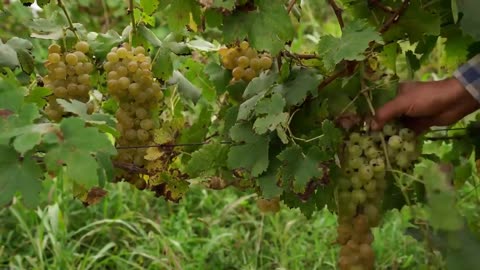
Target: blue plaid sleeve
[469, 75]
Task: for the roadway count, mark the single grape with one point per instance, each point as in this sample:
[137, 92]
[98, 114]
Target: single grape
[112, 57]
[124, 83]
[255, 64]
[402, 160]
[244, 45]
[146, 124]
[395, 142]
[408, 147]
[238, 73]
[54, 48]
[354, 150]
[130, 134]
[389, 130]
[406, 134]
[143, 135]
[139, 50]
[82, 46]
[71, 59]
[141, 113]
[122, 53]
[249, 74]
[356, 182]
[359, 196]
[266, 62]
[365, 173]
[54, 58]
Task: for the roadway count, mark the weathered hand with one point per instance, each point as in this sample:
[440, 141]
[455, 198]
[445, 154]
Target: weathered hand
[425, 104]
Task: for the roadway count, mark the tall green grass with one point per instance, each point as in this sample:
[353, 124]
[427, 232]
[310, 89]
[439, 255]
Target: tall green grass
[131, 229]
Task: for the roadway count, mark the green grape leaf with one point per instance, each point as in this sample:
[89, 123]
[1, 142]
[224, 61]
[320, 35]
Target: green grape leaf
[252, 154]
[270, 122]
[8, 57]
[298, 167]
[246, 108]
[470, 20]
[202, 45]
[389, 56]
[441, 197]
[456, 46]
[194, 71]
[271, 105]
[76, 149]
[166, 185]
[260, 84]
[19, 176]
[268, 182]
[163, 65]
[101, 44]
[303, 82]
[332, 136]
[185, 87]
[27, 142]
[206, 160]
[355, 39]
[218, 76]
[236, 26]
[26, 61]
[226, 4]
[271, 27]
[149, 36]
[149, 6]
[178, 13]
[19, 44]
[409, 24]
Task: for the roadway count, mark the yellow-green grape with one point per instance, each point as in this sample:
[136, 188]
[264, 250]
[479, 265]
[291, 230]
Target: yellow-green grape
[266, 62]
[249, 74]
[71, 59]
[54, 58]
[82, 46]
[112, 57]
[238, 73]
[243, 62]
[244, 45]
[54, 48]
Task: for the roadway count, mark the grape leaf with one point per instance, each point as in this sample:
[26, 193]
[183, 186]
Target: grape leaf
[456, 46]
[298, 167]
[268, 182]
[206, 160]
[76, 150]
[470, 20]
[19, 175]
[260, 84]
[246, 108]
[226, 4]
[149, 6]
[27, 142]
[332, 136]
[270, 122]
[185, 87]
[389, 56]
[271, 27]
[408, 23]
[295, 91]
[252, 154]
[178, 13]
[441, 197]
[271, 105]
[8, 57]
[276, 27]
[219, 76]
[356, 37]
[163, 66]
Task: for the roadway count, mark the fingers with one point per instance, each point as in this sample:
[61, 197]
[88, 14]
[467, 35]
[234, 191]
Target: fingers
[391, 110]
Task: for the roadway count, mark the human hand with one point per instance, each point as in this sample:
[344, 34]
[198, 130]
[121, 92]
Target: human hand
[425, 104]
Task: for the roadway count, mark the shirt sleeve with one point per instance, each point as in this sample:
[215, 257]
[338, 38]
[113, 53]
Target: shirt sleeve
[469, 75]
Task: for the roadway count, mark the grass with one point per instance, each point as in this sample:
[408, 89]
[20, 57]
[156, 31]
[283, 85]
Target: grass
[206, 230]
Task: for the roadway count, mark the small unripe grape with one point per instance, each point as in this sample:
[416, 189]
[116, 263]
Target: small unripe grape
[408, 147]
[402, 160]
[237, 73]
[354, 150]
[266, 62]
[54, 48]
[71, 59]
[82, 46]
[80, 56]
[365, 173]
[359, 196]
[112, 57]
[122, 53]
[389, 130]
[54, 58]
[122, 71]
[124, 83]
[60, 73]
[244, 45]
[139, 50]
[255, 64]
[370, 186]
[134, 89]
[60, 92]
[113, 75]
[141, 113]
[132, 66]
[249, 74]
[142, 135]
[112, 85]
[131, 134]
[243, 61]
[356, 182]
[146, 124]
[395, 142]
[406, 134]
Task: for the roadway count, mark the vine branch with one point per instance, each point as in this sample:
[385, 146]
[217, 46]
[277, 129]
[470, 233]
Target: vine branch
[381, 6]
[338, 12]
[394, 18]
[290, 5]
[132, 15]
[70, 23]
[170, 145]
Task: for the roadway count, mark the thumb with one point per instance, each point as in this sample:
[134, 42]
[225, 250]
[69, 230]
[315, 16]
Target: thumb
[391, 110]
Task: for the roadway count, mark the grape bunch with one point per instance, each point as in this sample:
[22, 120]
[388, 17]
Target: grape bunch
[361, 190]
[68, 77]
[130, 81]
[244, 61]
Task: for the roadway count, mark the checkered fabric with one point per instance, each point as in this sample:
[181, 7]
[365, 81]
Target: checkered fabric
[469, 75]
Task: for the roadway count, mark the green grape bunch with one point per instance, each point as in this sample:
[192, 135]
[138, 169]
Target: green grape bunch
[361, 189]
[244, 61]
[130, 81]
[68, 77]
